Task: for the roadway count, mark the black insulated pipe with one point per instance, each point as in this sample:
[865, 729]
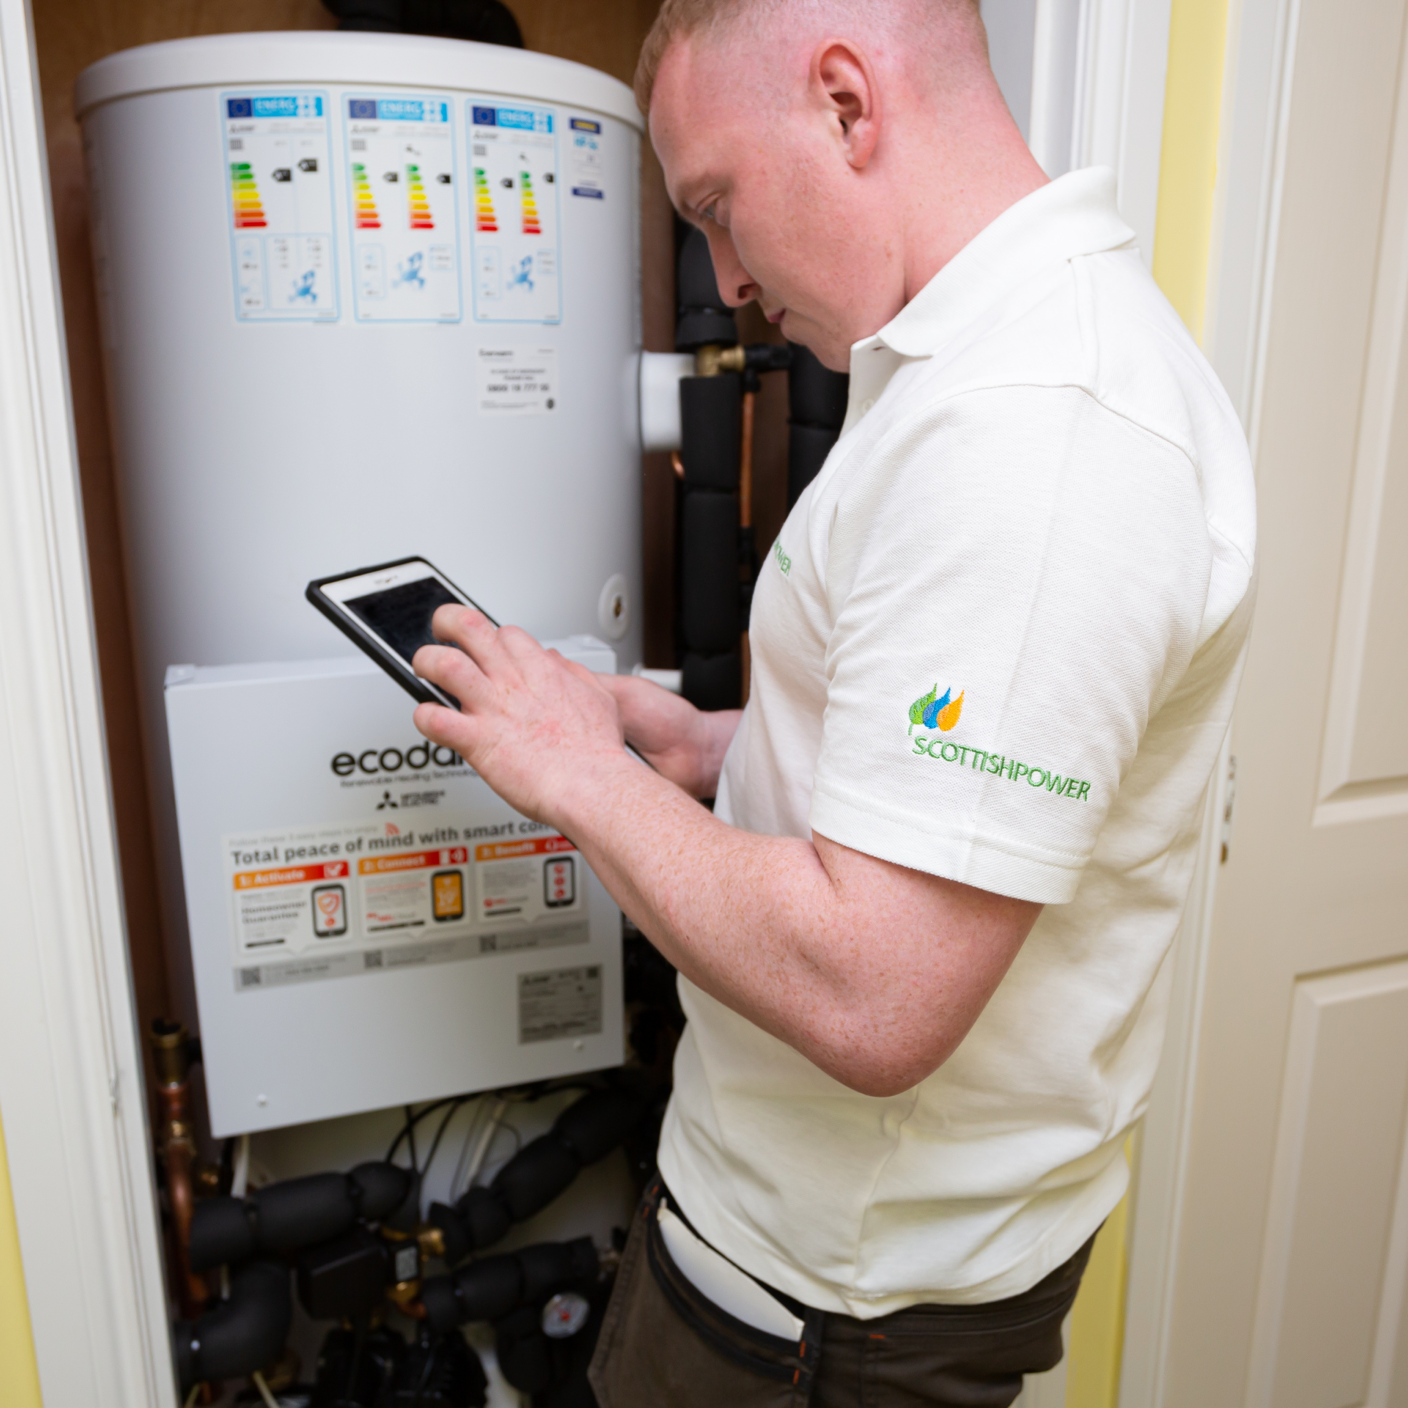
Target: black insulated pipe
[703, 319]
[711, 416]
[712, 681]
[295, 1213]
[242, 1334]
[710, 615]
[495, 1286]
[486, 21]
[816, 410]
[585, 1132]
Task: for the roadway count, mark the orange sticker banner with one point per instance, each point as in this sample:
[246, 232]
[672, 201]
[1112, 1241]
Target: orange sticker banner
[506, 850]
[415, 860]
[290, 875]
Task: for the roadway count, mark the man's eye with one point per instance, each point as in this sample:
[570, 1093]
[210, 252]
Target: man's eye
[708, 212]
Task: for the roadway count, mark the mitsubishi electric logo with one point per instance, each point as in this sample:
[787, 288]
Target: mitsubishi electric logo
[373, 762]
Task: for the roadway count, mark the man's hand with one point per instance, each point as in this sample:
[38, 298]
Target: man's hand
[679, 741]
[536, 727]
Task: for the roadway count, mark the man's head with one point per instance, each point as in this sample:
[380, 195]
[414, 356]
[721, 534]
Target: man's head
[837, 153]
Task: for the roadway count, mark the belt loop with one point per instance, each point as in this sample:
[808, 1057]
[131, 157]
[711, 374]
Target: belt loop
[809, 1352]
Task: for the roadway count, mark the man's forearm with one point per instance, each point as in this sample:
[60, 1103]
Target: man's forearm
[760, 923]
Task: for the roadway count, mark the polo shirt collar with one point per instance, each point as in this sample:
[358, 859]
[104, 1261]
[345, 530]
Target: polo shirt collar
[1069, 217]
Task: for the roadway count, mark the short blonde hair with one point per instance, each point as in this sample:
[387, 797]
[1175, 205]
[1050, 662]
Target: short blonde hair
[680, 18]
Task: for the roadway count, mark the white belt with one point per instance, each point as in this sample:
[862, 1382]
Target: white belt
[716, 1278]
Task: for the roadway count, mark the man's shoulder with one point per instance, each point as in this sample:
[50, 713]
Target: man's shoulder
[1100, 325]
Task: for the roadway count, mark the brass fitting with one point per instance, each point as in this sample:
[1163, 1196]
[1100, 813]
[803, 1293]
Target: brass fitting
[711, 360]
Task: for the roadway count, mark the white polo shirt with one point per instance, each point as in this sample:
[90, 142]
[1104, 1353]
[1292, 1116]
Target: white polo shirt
[997, 640]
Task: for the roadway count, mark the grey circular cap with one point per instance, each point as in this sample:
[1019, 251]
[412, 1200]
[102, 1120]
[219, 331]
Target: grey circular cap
[330, 56]
[565, 1314]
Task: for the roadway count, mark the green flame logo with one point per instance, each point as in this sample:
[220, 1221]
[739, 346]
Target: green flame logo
[933, 711]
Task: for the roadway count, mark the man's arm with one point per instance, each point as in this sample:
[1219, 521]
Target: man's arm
[872, 971]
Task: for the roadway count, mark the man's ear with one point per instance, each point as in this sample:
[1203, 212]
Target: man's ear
[843, 82]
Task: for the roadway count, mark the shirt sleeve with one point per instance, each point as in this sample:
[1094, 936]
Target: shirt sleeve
[1017, 580]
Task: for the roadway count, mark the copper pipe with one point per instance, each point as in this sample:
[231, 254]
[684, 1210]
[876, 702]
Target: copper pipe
[745, 510]
[176, 1147]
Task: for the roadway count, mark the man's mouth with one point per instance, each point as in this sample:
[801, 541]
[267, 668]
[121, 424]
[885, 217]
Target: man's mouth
[776, 317]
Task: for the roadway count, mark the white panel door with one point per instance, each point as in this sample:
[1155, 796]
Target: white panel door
[1293, 1249]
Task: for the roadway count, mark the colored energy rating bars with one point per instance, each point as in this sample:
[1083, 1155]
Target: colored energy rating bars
[419, 203]
[484, 219]
[363, 202]
[249, 211]
[530, 206]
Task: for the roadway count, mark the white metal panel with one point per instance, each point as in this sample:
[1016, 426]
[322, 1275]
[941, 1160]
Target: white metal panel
[299, 1026]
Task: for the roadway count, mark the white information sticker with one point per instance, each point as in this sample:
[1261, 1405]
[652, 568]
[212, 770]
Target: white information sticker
[404, 215]
[565, 1002]
[517, 381]
[513, 163]
[584, 155]
[327, 902]
[281, 240]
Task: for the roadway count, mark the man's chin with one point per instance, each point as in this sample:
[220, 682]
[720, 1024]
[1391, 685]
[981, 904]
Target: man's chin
[830, 354]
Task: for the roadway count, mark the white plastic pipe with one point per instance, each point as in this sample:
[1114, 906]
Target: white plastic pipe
[660, 375]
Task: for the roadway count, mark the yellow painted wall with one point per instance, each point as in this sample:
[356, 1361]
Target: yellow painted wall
[1188, 167]
[19, 1377]
[1182, 245]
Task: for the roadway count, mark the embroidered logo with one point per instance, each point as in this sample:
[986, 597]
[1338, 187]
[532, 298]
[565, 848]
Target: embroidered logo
[936, 711]
[932, 712]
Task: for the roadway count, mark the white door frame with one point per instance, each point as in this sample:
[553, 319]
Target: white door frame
[71, 1092]
[1251, 155]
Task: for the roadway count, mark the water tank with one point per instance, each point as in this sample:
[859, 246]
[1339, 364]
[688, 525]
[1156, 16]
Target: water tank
[363, 296]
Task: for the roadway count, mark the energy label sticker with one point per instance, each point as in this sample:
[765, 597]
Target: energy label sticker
[280, 185]
[405, 220]
[513, 164]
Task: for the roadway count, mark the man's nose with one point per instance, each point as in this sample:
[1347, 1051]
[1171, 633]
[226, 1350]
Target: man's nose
[736, 286]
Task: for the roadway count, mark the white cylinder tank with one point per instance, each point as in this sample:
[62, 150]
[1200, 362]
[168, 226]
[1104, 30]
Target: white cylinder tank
[365, 297]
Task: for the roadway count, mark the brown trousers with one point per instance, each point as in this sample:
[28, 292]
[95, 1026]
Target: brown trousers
[663, 1345]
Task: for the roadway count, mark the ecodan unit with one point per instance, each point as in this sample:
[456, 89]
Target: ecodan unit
[363, 296]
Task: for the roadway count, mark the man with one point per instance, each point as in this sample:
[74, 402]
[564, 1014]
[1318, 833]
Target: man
[924, 936]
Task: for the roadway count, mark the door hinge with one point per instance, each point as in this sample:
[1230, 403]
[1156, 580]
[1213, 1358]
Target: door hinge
[1229, 797]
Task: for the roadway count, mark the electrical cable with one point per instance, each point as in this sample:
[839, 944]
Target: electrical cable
[411, 1138]
[192, 1396]
[239, 1183]
[413, 1120]
[269, 1400]
[435, 1145]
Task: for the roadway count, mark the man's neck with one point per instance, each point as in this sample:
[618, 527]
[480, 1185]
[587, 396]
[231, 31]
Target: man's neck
[952, 186]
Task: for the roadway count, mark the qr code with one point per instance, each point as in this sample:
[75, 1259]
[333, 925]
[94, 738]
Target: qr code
[250, 977]
[372, 959]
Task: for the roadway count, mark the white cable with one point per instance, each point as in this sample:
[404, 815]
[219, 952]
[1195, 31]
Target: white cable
[458, 1181]
[240, 1182]
[269, 1400]
[486, 1139]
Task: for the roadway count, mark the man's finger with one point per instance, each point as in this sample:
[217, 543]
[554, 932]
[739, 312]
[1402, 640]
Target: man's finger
[519, 645]
[454, 671]
[467, 628]
[442, 725]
